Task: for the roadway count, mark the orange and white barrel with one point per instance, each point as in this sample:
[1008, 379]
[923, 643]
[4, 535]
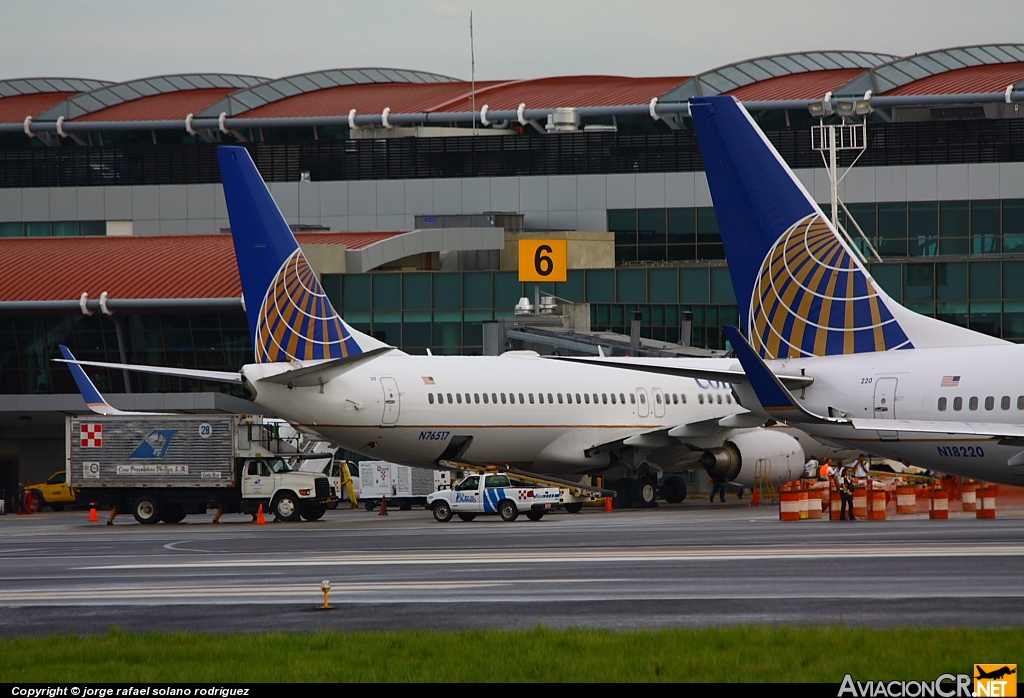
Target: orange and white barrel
[835, 504]
[814, 504]
[987, 510]
[860, 502]
[924, 495]
[939, 504]
[969, 493]
[878, 503]
[789, 505]
[802, 499]
[906, 500]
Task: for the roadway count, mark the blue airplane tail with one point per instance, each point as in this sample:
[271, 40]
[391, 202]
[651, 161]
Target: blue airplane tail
[801, 289]
[290, 316]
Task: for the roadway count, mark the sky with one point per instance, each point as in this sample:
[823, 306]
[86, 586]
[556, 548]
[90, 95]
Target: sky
[125, 39]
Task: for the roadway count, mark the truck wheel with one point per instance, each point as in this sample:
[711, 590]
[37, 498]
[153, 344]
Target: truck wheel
[285, 507]
[574, 507]
[467, 517]
[535, 514]
[442, 511]
[314, 512]
[146, 510]
[507, 510]
[369, 505]
[173, 513]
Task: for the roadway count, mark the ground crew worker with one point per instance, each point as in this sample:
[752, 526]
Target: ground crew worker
[825, 470]
[719, 489]
[811, 467]
[844, 484]
[860, 468]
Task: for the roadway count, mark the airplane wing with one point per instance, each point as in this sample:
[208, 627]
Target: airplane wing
[777, 401]
[318, 374]
[96, 402]
[683, 371]
[217, 376]
[678, 434]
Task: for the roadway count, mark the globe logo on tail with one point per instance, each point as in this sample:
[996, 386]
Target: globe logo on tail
[297, 321]
[812, 298]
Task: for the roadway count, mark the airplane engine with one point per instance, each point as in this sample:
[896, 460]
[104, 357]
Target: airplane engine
[755, 453]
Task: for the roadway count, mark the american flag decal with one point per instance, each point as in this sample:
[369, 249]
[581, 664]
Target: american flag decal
[428, 380]
[950, 382]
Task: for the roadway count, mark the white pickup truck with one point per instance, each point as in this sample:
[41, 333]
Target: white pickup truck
[491, 494]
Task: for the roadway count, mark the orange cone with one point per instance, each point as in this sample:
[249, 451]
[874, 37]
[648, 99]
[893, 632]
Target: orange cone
[383, 506]
[608, 504]
[93, 516]
[755, 499]
[260, 519]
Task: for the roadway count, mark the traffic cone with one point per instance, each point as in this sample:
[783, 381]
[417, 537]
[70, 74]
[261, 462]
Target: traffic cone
[93, 516]
[755, 499]
[260, 519]
[608, 504]
[383, 506]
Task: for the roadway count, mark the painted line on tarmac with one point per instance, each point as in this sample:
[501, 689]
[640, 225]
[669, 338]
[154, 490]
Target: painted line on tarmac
[549, 556]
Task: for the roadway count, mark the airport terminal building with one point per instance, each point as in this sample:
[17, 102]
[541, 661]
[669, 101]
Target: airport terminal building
[408, 191]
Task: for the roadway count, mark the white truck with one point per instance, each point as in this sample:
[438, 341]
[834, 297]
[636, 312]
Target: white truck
[492, 494]
[164, 467]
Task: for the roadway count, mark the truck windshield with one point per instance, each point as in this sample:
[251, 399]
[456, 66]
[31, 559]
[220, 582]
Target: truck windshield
[279, 466]
[470, 483]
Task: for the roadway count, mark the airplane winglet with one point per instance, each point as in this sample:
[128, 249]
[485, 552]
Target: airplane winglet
[92, 396]
[774, 397]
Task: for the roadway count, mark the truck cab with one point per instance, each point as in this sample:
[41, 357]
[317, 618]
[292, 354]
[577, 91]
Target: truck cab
[492, 493]
[53, 493]
[291, 494]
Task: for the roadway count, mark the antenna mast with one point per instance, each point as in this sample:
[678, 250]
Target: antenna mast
[472, 72]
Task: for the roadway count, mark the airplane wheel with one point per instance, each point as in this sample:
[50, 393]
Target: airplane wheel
[673, 490]
[623, 494]
[643, 492]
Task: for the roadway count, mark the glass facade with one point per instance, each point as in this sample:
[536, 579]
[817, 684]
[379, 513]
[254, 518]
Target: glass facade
[46, 229]
[665, 234]
[29, 343]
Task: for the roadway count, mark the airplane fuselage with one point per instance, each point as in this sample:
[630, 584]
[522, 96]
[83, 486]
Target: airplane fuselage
[534, 413]
[980, 384]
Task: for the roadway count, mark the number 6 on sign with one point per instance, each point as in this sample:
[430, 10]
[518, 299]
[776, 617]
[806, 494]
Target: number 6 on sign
[543, 260]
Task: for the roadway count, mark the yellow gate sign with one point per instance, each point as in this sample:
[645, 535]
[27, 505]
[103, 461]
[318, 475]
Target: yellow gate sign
[543, 260]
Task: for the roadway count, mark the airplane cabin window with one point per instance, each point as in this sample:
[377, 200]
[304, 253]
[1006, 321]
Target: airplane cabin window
[675, 399]
[521, 400]
[622, 398]
[958, 404]
[531, 398]
[578, 400]
[458, 398]
[683, 396]
[1004, 404]
[485, 398]
[643, 399]
[728, 398]
[700, 398]
[718, 399]
[551, 399]
[990, 403]
[476, 398]
[1020, 402]
[657, 398]
[604, 398]
[972, 404]
[430, 398]
[503, 398]
[540, 398]
[450, 401]
[613, 398]
[632, 399]
[586, 398]
[494, 398]
[468, 401]
[942, 404]
[559, 398]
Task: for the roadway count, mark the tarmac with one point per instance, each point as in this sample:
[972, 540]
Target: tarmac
[693, 564]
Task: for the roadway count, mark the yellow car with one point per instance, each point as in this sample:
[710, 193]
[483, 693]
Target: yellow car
[53, 493]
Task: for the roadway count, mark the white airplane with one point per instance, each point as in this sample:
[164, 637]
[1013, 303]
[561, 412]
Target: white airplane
[885, 379]
[518, 410]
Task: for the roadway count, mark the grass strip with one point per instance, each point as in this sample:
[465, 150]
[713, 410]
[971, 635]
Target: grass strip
[746, 653]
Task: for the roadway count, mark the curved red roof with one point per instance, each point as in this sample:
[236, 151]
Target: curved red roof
[365, 99]
[179, 266]
[569, 91]
[974, 80]
[161, 107]
[15, 108]
[797, 86]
